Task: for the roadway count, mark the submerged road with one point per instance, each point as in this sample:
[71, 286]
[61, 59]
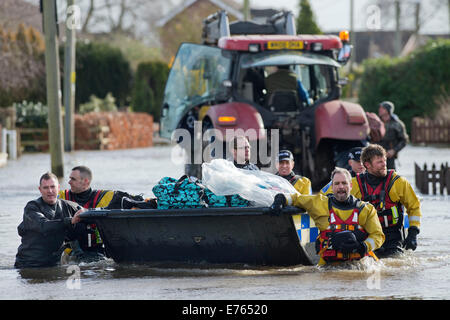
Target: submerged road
[423, 274]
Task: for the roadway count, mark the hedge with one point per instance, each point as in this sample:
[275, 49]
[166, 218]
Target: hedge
[413, 83]
[148, 89]
[100, 69]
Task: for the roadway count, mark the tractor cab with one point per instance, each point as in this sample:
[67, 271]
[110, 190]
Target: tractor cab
[264, 77]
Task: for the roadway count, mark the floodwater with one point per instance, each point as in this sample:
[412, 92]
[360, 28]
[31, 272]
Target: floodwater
[422, 274]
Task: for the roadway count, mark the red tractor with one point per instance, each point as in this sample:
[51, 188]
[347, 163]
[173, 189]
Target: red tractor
[223, 84]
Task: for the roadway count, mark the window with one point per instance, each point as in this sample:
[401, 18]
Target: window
[197, 74]
[322, 74]
[196, 78]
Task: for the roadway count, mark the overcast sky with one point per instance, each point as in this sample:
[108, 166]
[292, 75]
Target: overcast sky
[332, 15]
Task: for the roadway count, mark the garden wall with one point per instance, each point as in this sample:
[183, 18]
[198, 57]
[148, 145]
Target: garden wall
[113, 130]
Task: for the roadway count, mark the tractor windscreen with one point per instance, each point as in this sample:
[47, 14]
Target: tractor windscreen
[195, 78]
[313, 75]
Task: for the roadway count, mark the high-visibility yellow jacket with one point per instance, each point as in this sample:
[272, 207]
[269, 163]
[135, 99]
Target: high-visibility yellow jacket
[401, 192]
[301, 184]
[327, 189]
[317, 208]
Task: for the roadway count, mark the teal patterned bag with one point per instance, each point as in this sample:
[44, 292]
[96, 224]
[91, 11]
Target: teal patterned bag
[186, 193]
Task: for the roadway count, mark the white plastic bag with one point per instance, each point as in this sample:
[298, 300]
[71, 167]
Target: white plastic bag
[223, 178]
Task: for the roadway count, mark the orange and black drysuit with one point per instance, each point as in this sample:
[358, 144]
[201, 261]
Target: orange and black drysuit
[332, 216]
[389, 195]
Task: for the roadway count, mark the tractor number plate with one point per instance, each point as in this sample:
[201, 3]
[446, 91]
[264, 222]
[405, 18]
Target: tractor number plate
[278, 45]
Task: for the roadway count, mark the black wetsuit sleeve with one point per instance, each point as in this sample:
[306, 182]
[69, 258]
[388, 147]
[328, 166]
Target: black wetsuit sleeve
[73, 230]
[35, 220]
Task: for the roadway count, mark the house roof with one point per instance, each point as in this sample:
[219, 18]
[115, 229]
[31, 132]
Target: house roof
[224, 5]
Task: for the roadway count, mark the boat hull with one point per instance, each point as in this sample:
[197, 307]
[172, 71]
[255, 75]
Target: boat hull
[214, 235]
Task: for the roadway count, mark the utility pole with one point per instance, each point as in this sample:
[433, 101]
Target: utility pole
[53, 88]
[417, 18]
[352, 33]
[72, 22]
[398, 36]
[247, 10]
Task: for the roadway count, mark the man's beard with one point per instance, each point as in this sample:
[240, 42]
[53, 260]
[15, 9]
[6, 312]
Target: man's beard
[341, 196]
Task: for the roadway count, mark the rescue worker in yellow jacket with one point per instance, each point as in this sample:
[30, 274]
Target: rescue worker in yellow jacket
[389, 193]
[349, 228]
[285, 166]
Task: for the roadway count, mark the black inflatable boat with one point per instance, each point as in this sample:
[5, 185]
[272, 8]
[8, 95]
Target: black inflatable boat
[249, 235]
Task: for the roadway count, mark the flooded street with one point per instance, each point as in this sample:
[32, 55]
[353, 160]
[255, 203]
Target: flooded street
[422, 274]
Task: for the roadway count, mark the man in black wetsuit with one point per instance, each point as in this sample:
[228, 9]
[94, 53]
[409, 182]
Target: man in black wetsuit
[240, 148]
[47, 222]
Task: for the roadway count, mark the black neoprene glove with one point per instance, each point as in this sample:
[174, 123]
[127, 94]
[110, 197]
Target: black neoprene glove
[411, 239]
[354, 247]
[346, 242]
[279, 202]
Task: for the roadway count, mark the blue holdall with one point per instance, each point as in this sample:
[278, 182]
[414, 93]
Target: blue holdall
[187, 193]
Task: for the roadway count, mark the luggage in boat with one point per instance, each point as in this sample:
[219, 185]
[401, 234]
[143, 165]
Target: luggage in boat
[259, 187]
[189, 193]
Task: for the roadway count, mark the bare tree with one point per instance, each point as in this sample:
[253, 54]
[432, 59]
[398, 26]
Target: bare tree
[413, 13]
[132, 17]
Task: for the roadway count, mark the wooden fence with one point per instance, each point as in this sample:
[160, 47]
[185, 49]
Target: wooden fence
[434, 176]
[33, 139]
[36, 139]
[430, 131]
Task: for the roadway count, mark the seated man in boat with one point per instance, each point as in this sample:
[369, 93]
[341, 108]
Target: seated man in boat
[241, 151]
[47, 221]
[349, 228]
[285, 166]
[89, 245]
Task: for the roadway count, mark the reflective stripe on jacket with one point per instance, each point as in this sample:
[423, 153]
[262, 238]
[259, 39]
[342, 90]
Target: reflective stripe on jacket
[317, 208]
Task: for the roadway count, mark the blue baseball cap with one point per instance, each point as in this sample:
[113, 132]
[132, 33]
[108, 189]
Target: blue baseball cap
[285, 155]
[355, 153]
